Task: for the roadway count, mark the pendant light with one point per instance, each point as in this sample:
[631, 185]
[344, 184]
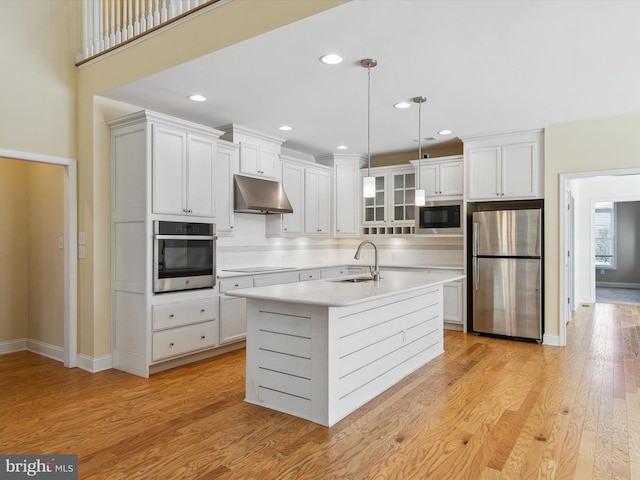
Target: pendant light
[369, 182]
[419, 192]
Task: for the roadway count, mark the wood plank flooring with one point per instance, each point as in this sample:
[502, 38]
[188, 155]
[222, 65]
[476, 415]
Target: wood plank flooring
[486, 409]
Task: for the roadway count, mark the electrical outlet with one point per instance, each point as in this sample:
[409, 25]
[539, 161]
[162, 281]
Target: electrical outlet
[60, 243]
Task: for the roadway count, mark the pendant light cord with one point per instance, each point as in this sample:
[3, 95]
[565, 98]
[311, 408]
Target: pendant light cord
[369, 120]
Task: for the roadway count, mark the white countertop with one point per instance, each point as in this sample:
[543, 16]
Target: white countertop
[338, 293]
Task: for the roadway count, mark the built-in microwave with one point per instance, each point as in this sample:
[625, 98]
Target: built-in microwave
[439, 218]
[184, 256]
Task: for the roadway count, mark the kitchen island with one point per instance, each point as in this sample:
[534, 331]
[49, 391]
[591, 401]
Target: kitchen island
[321, 349]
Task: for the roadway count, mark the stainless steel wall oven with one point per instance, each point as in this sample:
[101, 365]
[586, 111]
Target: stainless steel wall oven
[184, 256]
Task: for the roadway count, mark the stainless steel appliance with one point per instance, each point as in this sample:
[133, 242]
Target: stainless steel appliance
[507, 272]
[184, 256]
[258, 195]
[440, 217]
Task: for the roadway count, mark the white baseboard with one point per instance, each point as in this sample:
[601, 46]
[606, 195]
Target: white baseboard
[635, 286]
[94, 365]
[13, 346]
[46, 350]
[553, 340]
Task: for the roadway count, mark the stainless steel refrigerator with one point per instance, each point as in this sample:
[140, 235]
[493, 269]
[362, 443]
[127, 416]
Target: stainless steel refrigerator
[507, 273]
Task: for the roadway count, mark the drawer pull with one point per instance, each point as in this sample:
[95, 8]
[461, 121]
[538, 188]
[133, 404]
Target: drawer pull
[171, 344]
[202, 310]
[171, 315]
[236, 285]
[202, 337]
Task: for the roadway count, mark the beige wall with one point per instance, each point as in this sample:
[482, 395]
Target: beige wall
[46, 261]
[31, 277]
[585, 146]
[14, 251]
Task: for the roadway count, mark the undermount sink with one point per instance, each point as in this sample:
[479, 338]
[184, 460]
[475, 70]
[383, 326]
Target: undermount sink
[354, 280]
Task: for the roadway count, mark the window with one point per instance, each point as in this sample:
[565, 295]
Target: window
[604, 230]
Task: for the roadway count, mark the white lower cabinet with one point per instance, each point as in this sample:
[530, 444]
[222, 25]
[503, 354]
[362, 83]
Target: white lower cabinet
[233, 319]
[182, 340]
[452, 302]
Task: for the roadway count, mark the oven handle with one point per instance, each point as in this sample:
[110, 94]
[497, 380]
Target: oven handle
[185, 237]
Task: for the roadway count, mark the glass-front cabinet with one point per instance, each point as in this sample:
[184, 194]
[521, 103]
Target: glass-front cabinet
[392, 210]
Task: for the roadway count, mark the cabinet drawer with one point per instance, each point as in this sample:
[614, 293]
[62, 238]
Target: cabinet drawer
[334, 272]
[309, 275]
[178, 314]
[178, 341]
[236, 282]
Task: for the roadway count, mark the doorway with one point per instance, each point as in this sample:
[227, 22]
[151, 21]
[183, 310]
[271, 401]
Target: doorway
[68, 245]
[586, 188]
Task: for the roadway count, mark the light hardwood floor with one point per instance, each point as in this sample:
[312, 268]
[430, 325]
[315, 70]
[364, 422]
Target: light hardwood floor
[487, 408]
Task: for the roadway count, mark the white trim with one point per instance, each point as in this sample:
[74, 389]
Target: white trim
[552, 340]
[562, 201]
[13, 346]
[70, 246]
[94, 365]
[45, 349]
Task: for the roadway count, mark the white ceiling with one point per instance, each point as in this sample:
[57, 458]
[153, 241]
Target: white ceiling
[484, 66]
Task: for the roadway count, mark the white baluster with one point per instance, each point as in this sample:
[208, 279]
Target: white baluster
[136, 23]
[118, 26]
[156, 13]
[105, 25]
[97, 28]
[143, 16]
[112, 23]
[163, 11]
[129, 18]
[172, 9]
[150, 23]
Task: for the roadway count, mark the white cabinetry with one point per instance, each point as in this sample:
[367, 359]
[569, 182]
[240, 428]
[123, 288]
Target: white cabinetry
[347, 196]
[391, 210]
[259, 153]
[308, 187]
[505, 166]
[441, 178]
[183, 170]
[160, 166]
[233, 310]
[226, 166]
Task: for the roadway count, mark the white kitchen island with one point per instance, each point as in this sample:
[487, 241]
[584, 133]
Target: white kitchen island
[321, 349]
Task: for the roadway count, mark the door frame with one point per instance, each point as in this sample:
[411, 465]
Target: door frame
[70, 246]
[565, 178]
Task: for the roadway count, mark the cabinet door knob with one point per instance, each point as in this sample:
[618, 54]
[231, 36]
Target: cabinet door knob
[236, 285]
[171, 315]
[171, 344]
[202, 310]
[202, 337]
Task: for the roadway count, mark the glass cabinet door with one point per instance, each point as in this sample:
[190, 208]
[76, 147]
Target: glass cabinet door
[403, 196]
[374, 208]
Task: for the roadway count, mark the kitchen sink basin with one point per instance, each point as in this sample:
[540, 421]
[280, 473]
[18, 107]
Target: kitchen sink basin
[354, 280]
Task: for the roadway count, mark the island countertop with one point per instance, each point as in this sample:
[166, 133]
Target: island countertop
[341, 291]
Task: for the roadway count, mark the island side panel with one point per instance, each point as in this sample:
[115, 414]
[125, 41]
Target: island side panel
[279, 356]
[375, 345]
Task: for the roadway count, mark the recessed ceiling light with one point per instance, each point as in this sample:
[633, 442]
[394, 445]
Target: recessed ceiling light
[331, 59]
[198, 98]
[342, 147]
[402, 105]
[285, 128]
[445, 132]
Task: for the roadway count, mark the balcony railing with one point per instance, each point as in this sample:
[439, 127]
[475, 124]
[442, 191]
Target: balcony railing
[108, 24]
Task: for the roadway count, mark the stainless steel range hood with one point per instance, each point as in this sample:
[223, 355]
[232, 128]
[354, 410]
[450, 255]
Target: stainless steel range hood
[257, 195]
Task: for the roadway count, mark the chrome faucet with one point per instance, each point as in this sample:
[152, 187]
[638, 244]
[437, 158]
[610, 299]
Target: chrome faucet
[375, 270]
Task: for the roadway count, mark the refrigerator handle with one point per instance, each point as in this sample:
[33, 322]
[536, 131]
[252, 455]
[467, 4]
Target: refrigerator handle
[476, 245]
[476, 273]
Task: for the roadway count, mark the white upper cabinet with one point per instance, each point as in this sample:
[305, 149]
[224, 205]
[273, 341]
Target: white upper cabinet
[441, 177]
[293, 185]
[259, 153]
[317, 201]
[183, 169]
[505, 166]
[226, 165]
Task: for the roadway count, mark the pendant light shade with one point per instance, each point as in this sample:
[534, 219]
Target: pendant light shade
[369, 182]
[419, 192]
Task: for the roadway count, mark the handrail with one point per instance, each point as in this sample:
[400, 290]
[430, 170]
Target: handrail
[109, 24]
